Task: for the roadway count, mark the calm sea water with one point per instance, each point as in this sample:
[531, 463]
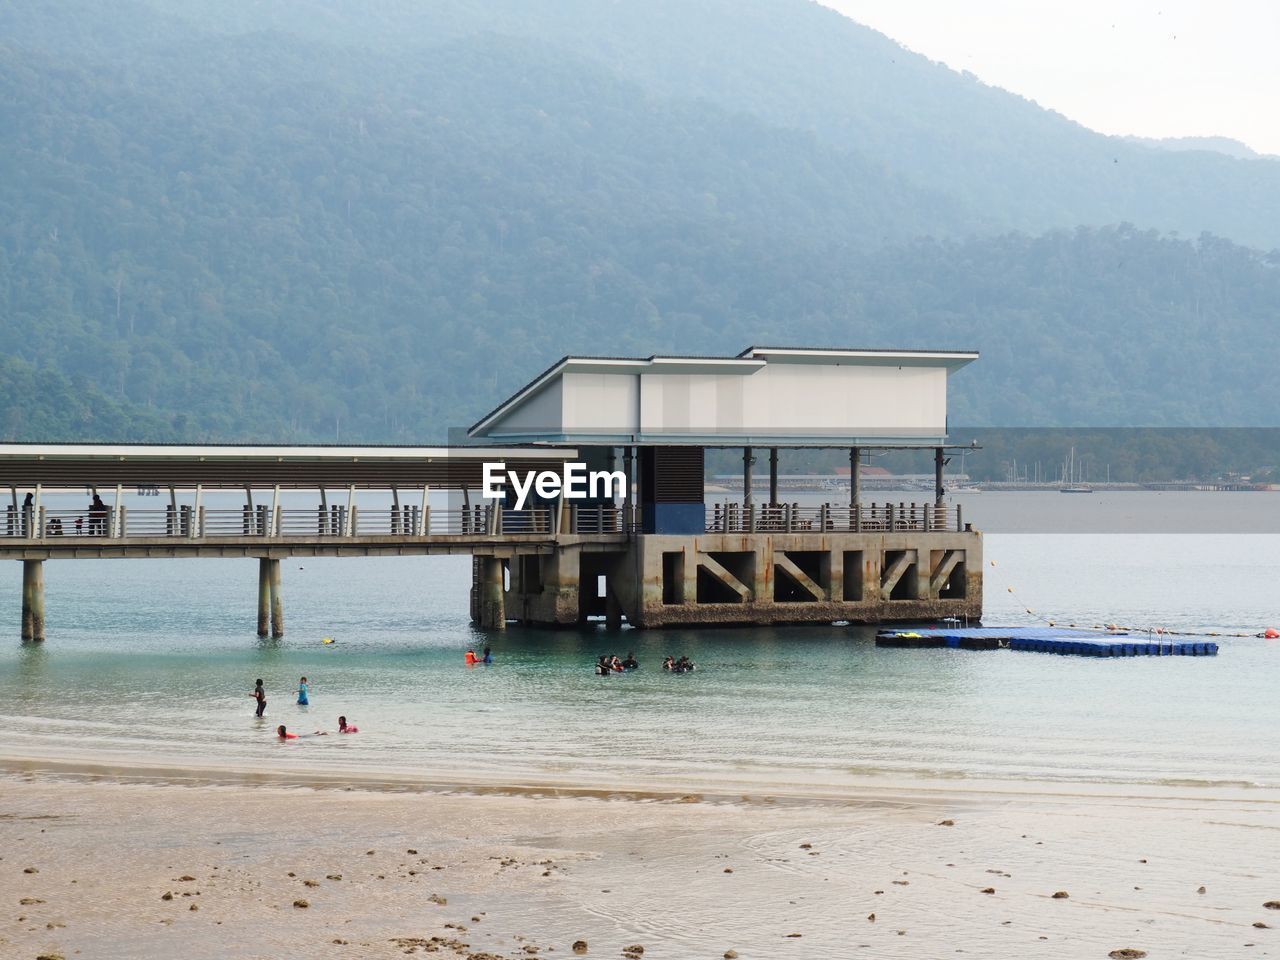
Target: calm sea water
[155, 660]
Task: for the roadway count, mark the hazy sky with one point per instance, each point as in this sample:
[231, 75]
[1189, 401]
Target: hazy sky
[1157, 69]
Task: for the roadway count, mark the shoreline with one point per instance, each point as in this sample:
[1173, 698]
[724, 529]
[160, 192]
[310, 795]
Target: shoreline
[856, 790]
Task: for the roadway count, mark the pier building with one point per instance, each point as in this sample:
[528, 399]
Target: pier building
[649, 550]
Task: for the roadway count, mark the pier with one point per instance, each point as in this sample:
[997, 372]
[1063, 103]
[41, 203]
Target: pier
[652, 552]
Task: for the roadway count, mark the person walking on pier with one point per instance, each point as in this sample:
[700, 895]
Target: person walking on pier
[260, 694]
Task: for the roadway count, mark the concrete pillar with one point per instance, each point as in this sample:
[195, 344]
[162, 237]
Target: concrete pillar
[493, 614]
[938, 489]
[264, 595]
[33, 600]
[773, 475]
[747, 461]
[277, 601]
[855, 476]
[477, 577]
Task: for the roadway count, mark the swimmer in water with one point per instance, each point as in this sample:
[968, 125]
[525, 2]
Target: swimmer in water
[602, 666]
[283, 734]
[302, 693]
[471, 659]
[631, 662]
[488, 657]
[260, 694]
[344, 727]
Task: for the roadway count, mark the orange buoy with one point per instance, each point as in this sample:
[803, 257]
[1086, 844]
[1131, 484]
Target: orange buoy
[1271, 633]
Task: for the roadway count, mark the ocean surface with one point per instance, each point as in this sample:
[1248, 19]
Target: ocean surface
[154, 661]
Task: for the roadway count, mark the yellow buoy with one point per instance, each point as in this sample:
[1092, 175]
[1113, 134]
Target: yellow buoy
[327, 640]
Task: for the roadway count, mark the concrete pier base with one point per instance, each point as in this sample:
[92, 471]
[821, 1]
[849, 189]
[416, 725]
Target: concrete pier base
[264, 595]
[277, 601]
[754, 578]
[33, 600]
[491, 594]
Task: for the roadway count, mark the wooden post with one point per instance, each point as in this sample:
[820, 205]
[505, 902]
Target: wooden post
[277, 601]
[33, 600]
[264, 595]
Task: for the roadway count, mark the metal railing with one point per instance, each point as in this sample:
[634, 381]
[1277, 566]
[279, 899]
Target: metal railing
[733, 517]
[479, 520]
[201, 523]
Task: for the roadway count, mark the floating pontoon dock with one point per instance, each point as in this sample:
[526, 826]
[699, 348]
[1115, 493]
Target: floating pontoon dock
[1079, 643]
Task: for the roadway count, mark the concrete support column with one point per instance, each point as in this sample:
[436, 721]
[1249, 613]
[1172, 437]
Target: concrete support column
[747, 461]
[264, 595]
[938, 489]
[855, 476]
[835, 575]
[33, 600]
[773, 475]
[277, 601]
[493, 614]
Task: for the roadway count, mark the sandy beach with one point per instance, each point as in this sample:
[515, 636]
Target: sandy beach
[115, 866]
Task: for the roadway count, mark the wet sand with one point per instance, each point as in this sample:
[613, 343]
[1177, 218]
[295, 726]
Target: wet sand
[138, 867]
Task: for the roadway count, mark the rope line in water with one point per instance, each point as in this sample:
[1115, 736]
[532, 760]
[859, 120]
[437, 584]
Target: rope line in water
[1159, 631]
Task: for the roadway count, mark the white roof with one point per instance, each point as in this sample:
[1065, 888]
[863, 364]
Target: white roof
[784, 396]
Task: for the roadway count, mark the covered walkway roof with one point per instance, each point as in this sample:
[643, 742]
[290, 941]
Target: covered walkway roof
[238, 466]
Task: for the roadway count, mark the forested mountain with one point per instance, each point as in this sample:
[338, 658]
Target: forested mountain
[319, 220]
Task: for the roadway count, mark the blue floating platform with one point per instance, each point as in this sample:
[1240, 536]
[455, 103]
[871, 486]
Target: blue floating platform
[1059, 640]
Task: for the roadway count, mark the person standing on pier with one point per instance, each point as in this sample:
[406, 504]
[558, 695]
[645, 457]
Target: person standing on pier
[260, 694]
[97, 516]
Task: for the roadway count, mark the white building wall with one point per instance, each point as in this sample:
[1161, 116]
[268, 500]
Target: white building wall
[600, 402]
[799, 398]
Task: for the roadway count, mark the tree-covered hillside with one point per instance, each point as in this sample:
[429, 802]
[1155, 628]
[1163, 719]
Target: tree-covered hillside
[306, 220]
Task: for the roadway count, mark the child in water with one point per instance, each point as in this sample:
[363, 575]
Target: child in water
[488, 657]
[344, 727]
[283, 734]
[260, 694]
[471, 659]
[302, 692]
